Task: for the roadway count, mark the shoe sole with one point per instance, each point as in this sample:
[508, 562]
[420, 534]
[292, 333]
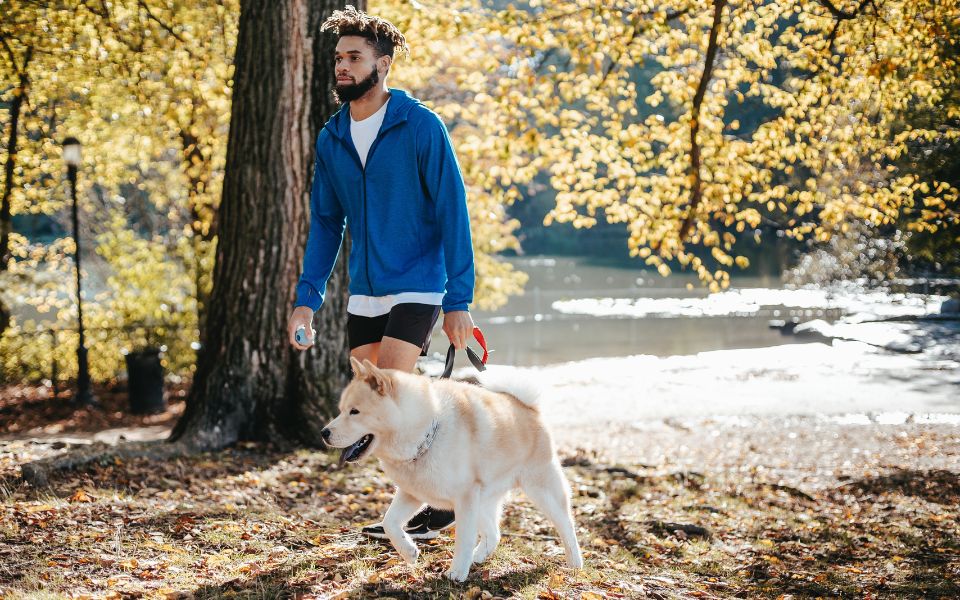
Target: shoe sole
[417, 536]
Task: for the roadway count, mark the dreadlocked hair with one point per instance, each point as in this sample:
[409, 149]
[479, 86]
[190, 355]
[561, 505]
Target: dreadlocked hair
[383, 34]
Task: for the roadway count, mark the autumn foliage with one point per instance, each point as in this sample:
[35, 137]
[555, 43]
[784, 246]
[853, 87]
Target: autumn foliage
[691, 123]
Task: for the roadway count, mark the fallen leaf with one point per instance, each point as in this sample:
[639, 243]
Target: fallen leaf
[81, 496]
[473, 593]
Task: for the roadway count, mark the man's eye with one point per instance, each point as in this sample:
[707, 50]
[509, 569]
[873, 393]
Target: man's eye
[354, 411]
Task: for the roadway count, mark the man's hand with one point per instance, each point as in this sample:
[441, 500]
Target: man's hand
[458, 325]
[302, 316]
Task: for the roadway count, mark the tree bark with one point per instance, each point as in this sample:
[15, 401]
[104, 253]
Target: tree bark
[250, 384]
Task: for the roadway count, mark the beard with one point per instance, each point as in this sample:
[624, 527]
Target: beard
[354, 91]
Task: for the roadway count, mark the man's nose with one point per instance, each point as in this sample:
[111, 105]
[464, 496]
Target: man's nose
[325, 434]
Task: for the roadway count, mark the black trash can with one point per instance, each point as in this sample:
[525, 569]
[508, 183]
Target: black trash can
[145, 382]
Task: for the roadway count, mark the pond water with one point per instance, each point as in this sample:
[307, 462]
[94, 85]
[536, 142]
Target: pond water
[568, 312]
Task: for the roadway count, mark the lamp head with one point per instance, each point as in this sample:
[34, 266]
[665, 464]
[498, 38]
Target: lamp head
[71, 151]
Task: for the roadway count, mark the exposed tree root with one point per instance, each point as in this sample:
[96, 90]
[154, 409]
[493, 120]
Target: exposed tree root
[38, 473]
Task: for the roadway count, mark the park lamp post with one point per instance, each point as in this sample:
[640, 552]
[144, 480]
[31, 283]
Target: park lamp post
[71, 156]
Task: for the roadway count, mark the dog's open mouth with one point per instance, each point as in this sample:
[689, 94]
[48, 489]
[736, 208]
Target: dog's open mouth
[355, 451]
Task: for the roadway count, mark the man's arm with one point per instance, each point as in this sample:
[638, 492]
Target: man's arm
[327, 222]
[444, 181]
[441, 175]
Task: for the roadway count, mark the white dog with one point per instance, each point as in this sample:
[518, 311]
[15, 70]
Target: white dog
[456, 446]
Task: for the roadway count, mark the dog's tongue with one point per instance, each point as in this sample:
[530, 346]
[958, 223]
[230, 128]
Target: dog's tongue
[346, 452]
[343, 456]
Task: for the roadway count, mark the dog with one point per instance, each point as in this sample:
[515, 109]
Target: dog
[453, 445]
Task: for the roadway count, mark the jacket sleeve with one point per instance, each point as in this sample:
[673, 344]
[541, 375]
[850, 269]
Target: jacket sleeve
[441, 176]
[327, 222]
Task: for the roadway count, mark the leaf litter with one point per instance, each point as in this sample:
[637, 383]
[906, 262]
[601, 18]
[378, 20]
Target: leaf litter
[707, 510]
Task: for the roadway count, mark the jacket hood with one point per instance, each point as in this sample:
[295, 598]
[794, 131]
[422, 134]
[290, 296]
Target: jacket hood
[400, 105]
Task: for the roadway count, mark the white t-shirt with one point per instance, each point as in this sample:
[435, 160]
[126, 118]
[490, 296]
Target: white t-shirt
[365, 131]
[363, 134]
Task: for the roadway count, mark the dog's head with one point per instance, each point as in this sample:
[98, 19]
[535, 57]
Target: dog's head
[368, 410]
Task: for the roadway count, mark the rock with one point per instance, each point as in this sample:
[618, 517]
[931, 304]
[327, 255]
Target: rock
[950, 306]
[785, 327]
[682, 530]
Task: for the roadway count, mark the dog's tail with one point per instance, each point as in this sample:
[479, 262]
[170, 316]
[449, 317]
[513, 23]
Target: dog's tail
[512, 381]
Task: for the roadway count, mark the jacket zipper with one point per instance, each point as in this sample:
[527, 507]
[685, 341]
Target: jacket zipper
[363, 176]
[366, 230]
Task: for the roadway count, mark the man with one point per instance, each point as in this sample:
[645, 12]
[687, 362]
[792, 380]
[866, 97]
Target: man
[386, 169]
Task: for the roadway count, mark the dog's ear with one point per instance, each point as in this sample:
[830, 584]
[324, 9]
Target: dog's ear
[379, 380]
[357, 367]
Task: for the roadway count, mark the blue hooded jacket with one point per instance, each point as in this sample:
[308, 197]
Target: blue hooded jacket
[406, 210]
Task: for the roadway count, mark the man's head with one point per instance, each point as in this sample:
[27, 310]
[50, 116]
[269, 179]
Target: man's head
[365, 50]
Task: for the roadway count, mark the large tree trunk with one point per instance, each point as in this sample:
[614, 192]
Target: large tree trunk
[250, 384]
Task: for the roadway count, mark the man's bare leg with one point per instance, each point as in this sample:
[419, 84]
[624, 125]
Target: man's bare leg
[397, 354]
[370, 352]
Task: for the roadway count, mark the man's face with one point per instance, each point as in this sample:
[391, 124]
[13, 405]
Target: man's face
[356, 68]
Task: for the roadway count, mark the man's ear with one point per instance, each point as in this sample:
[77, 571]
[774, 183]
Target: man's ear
[383, 64]
[379, 380]
[358, 370]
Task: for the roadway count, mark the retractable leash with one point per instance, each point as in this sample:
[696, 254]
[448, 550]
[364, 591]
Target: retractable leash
[479, 363]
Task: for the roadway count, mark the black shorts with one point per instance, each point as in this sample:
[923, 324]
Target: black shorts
[410, 321]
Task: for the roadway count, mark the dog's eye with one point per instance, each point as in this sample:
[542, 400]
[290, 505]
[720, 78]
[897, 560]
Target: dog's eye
[354, 411]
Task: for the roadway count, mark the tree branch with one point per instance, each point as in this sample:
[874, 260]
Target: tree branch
[159, 22]
[696, 191]
[841, 15]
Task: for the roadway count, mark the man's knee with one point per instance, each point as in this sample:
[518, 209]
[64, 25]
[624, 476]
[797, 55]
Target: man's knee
[398, 354]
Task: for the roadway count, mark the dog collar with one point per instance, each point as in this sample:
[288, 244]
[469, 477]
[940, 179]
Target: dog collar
[427, 441]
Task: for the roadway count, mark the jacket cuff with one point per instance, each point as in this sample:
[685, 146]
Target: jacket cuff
[449, 308]
[307, 296]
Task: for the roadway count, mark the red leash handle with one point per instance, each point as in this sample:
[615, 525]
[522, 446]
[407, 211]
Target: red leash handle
[478, 362]
[478, 335]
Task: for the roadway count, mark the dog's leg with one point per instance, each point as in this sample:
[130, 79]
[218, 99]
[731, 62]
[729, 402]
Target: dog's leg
[489, 527]
[401, 510]
[548, 489]
[466, 509]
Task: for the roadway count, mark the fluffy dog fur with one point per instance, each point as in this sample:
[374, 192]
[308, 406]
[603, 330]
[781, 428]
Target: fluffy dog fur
[457, 446]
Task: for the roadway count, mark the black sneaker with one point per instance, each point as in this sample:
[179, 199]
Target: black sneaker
[425, 525]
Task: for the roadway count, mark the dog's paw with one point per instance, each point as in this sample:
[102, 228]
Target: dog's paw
[410, 554]
[458, 575]
[480, 554]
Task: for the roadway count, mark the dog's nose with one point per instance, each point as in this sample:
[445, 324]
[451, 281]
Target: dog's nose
[325, 434]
